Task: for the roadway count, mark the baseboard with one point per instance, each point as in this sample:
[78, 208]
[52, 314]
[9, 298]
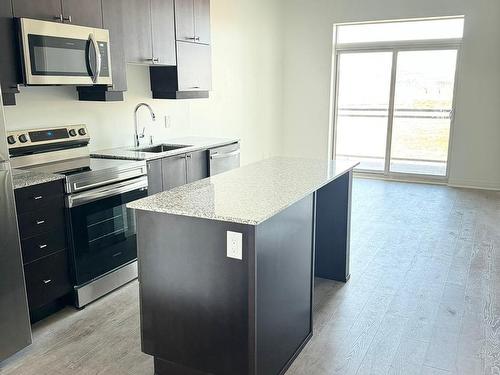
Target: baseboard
[475, 184]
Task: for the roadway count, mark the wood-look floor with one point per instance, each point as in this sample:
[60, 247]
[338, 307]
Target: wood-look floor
[424, 297]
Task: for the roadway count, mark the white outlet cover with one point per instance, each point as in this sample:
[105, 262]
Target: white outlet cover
[234, 245]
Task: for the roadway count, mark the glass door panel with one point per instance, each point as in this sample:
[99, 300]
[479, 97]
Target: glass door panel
[364, 80]
[423, 105]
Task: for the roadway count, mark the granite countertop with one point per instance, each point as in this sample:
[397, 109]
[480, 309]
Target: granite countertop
[22, 178]
[247, 195]
[195, 144]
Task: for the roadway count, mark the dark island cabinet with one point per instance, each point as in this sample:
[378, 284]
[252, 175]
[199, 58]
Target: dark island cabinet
[78, 12]
[192, 21]
[41, 218]
[9, 72]
[149, 32]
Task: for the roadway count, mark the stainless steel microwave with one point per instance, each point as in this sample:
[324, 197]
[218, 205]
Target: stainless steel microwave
[61, 54]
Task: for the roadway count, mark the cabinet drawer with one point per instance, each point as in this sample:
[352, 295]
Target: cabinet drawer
[34, 197]
[41, 221]
[41, 246]
[47, 279]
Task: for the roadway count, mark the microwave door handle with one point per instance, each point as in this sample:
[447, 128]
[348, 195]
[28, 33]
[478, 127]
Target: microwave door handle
[97, 72]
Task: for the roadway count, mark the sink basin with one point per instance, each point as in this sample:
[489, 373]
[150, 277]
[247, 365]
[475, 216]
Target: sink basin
[161, 148]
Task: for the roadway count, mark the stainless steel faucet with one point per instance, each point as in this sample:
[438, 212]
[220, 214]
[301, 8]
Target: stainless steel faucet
[138, 136]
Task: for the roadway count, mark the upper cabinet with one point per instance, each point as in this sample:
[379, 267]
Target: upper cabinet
[192, 21]
[9, 73]
[150, 37]
[78, 12]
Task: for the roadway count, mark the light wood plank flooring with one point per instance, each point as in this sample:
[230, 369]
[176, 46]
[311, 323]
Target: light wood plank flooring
[424, 297]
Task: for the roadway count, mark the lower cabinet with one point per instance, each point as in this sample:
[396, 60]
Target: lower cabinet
[168, 173]
[42, 231]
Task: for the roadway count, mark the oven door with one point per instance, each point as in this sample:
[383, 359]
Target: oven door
[62, 54]
[103, 230]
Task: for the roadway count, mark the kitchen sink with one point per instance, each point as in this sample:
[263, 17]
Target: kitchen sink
[161, 148]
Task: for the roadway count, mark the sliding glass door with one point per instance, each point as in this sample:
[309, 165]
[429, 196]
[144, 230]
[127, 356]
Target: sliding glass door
[394, 108]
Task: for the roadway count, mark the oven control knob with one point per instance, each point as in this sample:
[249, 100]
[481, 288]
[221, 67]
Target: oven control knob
[11, 140]
[82, 131]
[72, 132]
[23, 138]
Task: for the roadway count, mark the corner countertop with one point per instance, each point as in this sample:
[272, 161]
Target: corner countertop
[247, 195]
[22, 178]
[195, 144]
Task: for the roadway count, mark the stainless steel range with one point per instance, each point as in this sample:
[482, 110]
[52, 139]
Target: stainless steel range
[101, 230]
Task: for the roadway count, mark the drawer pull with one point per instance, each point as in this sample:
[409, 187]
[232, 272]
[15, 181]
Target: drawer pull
[42, 246]
[40, 222]
[38, 198]
[117, 254]
[47, 281]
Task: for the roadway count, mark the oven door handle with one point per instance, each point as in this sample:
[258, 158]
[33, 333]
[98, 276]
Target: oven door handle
[90, 196]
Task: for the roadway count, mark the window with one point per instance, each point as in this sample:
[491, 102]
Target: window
[394, 99]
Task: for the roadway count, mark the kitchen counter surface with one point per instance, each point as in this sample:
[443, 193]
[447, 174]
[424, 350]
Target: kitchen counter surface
[247, 195]
[22, 179]
[195, 144]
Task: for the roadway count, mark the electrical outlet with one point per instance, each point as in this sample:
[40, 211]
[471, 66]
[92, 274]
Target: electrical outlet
[234, 245]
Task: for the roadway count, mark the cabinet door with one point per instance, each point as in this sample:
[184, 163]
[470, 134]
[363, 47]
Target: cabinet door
[174, 171]
[137, 31]
[197, 166]
[112, 18]
[202, 21]
[184, 20]
[155, 180]
[194, 67]
[48, 10]
[9, 74]
[162, 13]
[83, 13]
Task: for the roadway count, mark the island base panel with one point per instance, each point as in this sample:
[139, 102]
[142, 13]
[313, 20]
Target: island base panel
[333, 216]
[284, 249]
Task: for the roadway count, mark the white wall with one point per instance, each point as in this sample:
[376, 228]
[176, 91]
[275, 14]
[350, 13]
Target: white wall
[245, 101]
[475, 159]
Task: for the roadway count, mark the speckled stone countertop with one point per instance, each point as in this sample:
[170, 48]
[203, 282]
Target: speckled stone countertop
[194, 143]
[247, 195]
[22, 179]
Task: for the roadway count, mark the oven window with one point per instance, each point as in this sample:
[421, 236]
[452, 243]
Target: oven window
[103, 236]
[58, 56]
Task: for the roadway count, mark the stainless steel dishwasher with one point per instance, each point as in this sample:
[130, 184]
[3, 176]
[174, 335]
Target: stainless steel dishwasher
[225, 158]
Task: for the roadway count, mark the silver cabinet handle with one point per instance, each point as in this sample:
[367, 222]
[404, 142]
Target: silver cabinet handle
[42, 246]
[68, 19]
[38, 198]
[58, 18]
[40, 222]
[154, 60]
[47, 281]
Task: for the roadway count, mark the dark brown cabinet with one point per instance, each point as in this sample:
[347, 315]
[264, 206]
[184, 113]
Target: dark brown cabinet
[85, 13]
[42, 230]
[149, 36]
[155, 179]
[192, 21]
[9, 73]
[168, 173]
[196, 166]
[78, 12]
[174, 171]
[48, 10]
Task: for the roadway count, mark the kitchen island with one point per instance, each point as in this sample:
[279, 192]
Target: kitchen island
[227, 264]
